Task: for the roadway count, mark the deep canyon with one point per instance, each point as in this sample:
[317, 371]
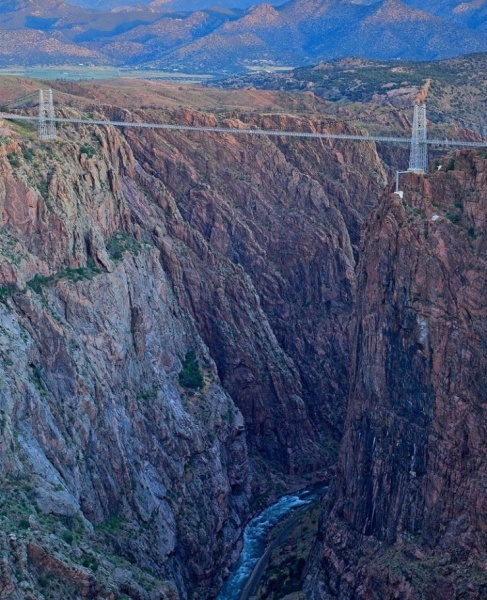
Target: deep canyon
[340, 331]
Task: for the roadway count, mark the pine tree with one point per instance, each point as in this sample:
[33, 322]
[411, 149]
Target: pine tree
[191, 376]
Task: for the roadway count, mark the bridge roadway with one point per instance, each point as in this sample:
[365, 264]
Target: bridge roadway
[269, 132]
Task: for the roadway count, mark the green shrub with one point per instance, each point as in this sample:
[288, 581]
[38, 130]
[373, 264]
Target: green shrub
[122, 242]
[451, 165]
[13, 159]
[95, 564]
[38, 282]
[112, 524]
[88, 150]
[147, 395]
[43, 187]
[90, 563]
[68, 537]
[5, 293]
[191, 376]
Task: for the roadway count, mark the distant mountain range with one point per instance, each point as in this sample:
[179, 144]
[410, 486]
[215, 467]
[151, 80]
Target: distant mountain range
[470, 13]
[185, 5]
[225, 40]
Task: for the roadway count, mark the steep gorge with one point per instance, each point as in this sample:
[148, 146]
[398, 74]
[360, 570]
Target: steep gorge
[287, 216]
[119, 252]
[301, 286]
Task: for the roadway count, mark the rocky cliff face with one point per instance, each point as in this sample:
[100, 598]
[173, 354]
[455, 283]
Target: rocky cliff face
[276, 226]
[407, 515]
[118, 253]
[96, 430]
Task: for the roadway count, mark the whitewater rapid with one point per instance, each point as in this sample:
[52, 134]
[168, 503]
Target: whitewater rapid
[255, 538]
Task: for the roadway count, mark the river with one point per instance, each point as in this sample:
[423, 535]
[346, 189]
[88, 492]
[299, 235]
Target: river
[256, 537]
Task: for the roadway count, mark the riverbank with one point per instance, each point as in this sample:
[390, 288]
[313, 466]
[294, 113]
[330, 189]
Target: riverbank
[262, 535]
[281, 575]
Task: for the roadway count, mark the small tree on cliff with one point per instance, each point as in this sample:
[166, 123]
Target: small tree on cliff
[191, 376]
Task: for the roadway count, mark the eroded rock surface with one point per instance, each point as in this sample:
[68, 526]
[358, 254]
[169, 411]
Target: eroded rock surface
[96, 430]
[279, 223]
[407, 515]
[118, 254]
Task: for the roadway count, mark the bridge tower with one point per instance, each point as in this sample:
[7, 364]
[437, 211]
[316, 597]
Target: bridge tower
[47, 124]
[418, 158]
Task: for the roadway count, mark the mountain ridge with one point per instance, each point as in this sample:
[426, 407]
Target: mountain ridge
[471, 12]
[224, 41]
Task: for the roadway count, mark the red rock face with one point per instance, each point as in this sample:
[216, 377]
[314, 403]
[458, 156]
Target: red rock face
[407, 517]
[112, 267]
[270, 273]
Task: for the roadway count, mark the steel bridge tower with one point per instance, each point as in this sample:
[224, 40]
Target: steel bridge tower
[418, 158]
[47, 124]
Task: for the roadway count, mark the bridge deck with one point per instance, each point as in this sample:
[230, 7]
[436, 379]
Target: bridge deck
[268, 132]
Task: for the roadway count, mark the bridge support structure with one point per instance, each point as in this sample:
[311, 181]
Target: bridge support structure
[47, 123]
[418, 157]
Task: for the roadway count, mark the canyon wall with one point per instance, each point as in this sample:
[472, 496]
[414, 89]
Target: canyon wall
[119, 252]
[406, 516]
[100, 447]
[282, 219]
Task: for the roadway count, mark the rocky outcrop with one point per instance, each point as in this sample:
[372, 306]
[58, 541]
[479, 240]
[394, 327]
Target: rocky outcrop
[407, 517]
[275, 226]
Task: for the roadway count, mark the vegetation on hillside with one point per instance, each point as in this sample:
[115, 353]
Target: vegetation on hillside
[455, 89]
[191, 376]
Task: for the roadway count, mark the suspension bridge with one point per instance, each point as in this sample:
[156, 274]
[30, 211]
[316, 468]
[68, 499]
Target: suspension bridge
[419, 141]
